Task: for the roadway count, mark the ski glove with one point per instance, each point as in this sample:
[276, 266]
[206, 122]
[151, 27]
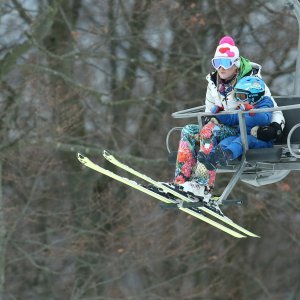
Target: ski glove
[246, 106]
[267, 133]
[216, 109]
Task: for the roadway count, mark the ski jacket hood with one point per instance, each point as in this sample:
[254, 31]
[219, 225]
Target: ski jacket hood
[247, 68]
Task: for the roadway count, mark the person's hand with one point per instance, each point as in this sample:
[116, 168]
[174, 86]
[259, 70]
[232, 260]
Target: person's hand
[213, 120]
[245, 106]
[267, 133]
[254, 131]
[216, 109]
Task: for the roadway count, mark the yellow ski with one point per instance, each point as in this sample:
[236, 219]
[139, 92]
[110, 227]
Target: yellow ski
[88, 163]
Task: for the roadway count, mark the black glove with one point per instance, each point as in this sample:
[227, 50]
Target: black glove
[270, 132]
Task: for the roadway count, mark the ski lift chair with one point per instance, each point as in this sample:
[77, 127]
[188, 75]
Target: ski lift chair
[256, 165]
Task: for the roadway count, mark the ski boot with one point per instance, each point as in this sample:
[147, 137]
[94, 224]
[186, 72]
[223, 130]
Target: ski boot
[221, 157]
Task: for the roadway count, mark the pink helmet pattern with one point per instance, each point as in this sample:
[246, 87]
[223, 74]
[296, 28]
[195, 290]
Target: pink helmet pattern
[227, 48]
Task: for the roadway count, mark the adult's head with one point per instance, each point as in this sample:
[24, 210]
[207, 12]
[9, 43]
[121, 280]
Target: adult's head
[227, 58]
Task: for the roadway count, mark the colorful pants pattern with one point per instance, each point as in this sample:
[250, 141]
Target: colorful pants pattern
[192, 141]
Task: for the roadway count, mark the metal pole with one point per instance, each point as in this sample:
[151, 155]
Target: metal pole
[295, 5]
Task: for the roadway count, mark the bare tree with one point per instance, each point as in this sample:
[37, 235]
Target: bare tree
[87, 76]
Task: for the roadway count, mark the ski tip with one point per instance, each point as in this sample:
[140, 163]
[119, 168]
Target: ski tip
[255, 236]
[80, 156]
[250, 234]
[106, 153]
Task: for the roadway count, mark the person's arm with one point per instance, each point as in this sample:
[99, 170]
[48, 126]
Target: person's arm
[251, 119]
[267, 133]
[229, 120]
[258, 119]
[210, 105]
[274, 129]
[209, 98]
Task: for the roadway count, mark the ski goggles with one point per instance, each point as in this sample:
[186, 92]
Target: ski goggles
[239, 96]
[225, 63]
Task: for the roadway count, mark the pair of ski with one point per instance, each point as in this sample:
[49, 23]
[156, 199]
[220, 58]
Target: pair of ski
[172, 197]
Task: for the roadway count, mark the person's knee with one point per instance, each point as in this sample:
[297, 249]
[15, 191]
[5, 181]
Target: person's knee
[190, 130]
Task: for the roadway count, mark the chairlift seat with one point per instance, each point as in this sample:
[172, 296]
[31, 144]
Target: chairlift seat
[292, 118]
[264, 154]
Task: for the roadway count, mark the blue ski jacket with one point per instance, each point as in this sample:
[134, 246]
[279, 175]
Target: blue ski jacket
[234, 143]
[258, 119]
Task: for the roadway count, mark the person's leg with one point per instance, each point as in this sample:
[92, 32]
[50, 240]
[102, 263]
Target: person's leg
[236, 145]
[255, 143]
[232, 148]
[187, 153]
[210, 136]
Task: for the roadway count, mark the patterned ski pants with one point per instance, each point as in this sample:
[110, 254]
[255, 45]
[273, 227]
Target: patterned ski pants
[192, 141]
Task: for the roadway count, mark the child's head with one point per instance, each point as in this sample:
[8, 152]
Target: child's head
[249, 89]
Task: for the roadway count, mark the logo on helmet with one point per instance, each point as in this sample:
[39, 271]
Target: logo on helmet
[256, 85]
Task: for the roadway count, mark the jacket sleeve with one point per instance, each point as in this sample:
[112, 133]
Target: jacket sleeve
[277, 116]
[262, 118]
[258, 119]
[229, 120]
[209, 99]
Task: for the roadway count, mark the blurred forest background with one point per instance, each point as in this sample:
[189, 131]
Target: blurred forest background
[107, 74]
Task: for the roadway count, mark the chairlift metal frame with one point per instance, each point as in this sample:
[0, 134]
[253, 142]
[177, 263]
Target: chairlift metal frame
[287, 153]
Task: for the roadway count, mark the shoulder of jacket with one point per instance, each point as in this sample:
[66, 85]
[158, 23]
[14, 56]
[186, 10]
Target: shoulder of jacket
[266, 100]
[255, 65]
[256, 69]
[212, 77]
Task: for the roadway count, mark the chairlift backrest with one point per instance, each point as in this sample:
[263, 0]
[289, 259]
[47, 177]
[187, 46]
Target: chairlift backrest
[292, 118]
